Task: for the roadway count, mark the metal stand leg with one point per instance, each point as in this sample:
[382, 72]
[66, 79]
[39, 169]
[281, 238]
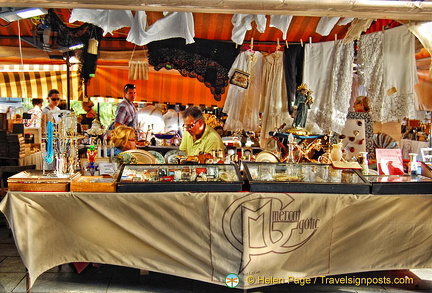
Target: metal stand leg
[28, 288]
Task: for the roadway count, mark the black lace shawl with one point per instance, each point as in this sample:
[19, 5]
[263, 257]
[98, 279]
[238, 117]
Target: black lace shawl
[206, 60]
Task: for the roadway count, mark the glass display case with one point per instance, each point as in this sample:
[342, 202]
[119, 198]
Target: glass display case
[400, 184]
[173, 177]
[313, 178]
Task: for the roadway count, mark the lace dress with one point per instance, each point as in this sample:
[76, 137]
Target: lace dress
[274, 102]
[241, 103]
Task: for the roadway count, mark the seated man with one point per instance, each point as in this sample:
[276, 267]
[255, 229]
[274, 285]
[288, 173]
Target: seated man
[198, 137]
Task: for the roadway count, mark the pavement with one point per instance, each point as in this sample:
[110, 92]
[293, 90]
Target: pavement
[117, 279]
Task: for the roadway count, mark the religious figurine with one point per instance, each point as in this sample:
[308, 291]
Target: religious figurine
[302, 104]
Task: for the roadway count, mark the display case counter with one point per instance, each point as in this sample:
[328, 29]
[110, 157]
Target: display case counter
[172, 177]
[399, 184]
[311, 178]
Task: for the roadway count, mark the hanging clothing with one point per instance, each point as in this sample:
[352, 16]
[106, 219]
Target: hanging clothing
[243, 98]
[370, 54]
[243, 22]
[274, 102]
[281, 22]
[399, 77]
[293, 68]
[137, 32]
[108, 20]
[357, 27]
[328, 73]
[326, 24]
[390, 84]
[173, 25]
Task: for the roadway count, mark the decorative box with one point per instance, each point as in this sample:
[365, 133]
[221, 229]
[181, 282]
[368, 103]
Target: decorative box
[310, 178]
[172, 177]
[93, 184]
[35, 180]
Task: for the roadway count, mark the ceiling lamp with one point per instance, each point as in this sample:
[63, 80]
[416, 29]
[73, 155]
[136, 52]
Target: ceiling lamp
[13, 14]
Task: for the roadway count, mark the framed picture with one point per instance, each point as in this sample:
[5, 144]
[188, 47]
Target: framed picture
[240, 79]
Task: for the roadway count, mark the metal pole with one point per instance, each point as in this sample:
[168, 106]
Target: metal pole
[68, 79]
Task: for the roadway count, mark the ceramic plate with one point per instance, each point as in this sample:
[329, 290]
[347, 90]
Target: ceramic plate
[171, 156]
[265, 156]
[159, 158]
[143, 157]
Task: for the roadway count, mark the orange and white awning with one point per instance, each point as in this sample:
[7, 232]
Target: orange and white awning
[35, 80]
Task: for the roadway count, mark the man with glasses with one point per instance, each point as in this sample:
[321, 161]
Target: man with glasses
[126, 113]
[53, 102]
[198, 137]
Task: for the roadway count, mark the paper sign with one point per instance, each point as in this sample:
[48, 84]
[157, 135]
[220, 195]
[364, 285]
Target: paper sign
[390, 161]
[107, 168]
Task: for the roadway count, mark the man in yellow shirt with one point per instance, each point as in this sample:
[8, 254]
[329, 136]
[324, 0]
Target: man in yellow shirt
[198, 137]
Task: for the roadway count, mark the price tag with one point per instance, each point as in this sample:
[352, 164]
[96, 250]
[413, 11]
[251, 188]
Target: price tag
[107, 168]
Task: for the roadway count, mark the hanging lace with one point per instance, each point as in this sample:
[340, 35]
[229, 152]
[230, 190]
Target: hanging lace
[208, 61]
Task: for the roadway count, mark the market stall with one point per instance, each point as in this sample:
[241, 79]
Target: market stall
[291, 193]
[206, 236]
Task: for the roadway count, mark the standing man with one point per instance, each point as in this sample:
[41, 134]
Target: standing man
[126, 113]
[36, 113]
[198, 137]
[53, 102]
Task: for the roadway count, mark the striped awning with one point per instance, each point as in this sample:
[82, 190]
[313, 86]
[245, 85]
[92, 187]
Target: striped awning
[164, 86]
[35, 80]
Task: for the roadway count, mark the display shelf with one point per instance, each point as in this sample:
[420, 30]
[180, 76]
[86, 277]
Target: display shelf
[311, 178]
[172, 177]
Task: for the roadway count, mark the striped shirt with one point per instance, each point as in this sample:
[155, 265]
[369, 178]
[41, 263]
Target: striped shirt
[126, 113]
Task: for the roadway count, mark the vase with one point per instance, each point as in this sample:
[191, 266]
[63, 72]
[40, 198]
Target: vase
[336, 152]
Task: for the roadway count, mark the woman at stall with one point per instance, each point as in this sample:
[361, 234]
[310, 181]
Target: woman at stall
[361, 104]
[123, 138]
[90, 115]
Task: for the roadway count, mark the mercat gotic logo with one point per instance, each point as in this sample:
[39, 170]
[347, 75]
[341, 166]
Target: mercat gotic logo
[276, 225]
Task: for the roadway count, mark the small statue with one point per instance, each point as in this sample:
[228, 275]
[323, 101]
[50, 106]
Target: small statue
[91, 160]
[302, 104]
